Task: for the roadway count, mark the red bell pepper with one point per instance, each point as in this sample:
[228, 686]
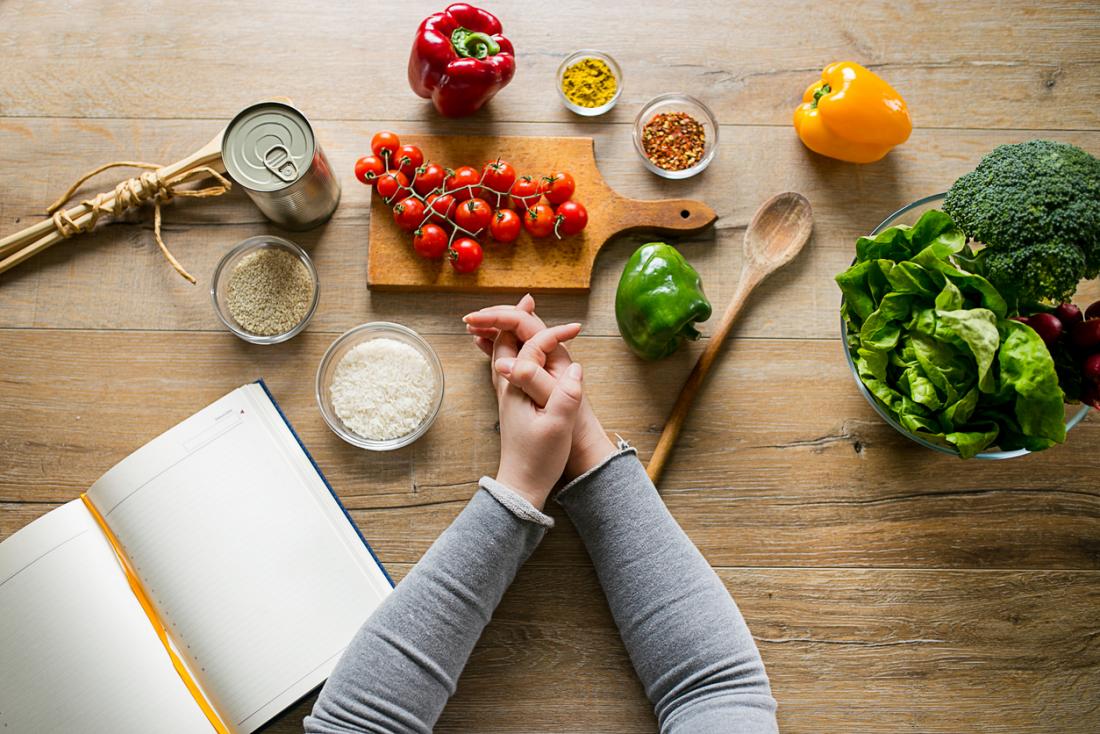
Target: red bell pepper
[460, 59]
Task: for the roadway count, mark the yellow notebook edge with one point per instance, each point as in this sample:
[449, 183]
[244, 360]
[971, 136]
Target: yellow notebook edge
[158, 626]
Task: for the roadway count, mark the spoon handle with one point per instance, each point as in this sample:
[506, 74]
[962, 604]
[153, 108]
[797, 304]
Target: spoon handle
[750, 278]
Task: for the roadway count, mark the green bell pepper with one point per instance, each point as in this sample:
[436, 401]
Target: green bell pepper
[659, 299]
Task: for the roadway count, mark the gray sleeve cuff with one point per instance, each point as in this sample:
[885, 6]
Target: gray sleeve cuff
[623, 449]
[515, 504]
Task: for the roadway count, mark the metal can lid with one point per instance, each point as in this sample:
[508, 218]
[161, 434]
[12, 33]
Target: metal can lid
[268, 146]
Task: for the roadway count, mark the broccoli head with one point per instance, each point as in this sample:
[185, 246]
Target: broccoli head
[1034, 273]
[1036, 208]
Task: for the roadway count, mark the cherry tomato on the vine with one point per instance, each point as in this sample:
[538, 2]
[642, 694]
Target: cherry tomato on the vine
[369, 168]
[460, 181]
[385, 144]
[525, 192]
[466, 255]
[473, 215]
[430, 241]
[441, 205]
[505, 226]
[557, 187]
[538, 220]
[496, 181]
[409, 213]
[569, 218]
[429, 177]
[407, 159]
[389, 185]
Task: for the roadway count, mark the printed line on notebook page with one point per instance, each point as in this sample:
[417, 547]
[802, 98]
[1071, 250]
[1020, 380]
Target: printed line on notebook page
[202, 441]
[280, 693]
[51, 550]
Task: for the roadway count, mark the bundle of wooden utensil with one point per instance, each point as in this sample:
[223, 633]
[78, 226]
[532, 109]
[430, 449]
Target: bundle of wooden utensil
[156, 186]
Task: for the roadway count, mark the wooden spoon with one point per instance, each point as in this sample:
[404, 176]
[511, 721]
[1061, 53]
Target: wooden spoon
[777, 232]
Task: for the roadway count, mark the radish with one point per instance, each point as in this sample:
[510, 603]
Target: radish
[1093, 311]
[1086, 335]
[1068, 314]
[1091, 370]
[1047, 326]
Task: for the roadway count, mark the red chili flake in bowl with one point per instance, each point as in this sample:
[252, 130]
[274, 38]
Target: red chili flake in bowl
[674, 140]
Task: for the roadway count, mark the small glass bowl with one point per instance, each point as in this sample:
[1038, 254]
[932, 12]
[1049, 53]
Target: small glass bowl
[353, 338]
[219, 287]
[587, 53]
[678, 103]
[909, 214]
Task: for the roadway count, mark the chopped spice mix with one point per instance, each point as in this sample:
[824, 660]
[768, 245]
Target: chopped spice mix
[674, 140]
[269, 292]
[589, 83]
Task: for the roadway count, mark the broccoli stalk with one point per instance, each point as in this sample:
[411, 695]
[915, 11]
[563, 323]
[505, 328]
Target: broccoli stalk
[1035, 206]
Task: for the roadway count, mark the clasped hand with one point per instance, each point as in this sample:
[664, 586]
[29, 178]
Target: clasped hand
[548, 430]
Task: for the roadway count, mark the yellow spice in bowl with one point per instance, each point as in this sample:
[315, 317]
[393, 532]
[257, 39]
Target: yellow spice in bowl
[589, 83]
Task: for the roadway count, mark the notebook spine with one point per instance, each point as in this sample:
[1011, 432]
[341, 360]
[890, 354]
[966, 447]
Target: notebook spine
[154, 619]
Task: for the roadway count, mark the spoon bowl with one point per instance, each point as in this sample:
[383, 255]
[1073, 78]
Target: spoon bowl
[778, 231]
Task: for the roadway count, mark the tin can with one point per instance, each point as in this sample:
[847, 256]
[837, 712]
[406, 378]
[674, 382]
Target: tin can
[270, 150]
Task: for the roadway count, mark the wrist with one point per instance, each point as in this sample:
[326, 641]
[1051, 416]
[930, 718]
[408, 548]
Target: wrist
[591, 446]
[524, 485]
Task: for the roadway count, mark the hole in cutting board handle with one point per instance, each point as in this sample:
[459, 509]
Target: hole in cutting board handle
[684, 214]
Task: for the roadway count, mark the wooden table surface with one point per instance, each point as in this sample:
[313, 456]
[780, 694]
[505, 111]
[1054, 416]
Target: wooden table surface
[889, 588]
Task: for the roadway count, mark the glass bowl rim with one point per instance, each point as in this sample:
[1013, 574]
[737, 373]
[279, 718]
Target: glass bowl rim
[256, 242]
[336, 425]
[590, 53]
[710, 147]
[889, 222]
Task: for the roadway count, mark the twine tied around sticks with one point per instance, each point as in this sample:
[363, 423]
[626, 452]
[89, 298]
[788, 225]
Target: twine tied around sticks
[132, 193]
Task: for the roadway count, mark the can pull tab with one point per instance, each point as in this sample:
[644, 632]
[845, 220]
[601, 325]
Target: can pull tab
[277, 160]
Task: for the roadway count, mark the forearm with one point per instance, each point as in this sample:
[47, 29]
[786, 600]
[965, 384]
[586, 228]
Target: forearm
[685, 636]
[404, 663]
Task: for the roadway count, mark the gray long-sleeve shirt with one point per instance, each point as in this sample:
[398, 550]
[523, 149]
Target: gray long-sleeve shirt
[685, 636]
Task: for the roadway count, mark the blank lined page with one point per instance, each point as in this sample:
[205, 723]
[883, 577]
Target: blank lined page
[258, 575]
[77, 653]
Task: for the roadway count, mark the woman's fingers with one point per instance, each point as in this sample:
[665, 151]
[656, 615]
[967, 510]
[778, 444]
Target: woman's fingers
[543, 344]
[526, 304]
[524, 325]
[504, 347]
[525, 371]
[524, 374]
[506, 318]
[486, 332]
[565, 400]
[485, 345]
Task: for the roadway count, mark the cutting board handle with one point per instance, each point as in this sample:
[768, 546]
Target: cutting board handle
[675, 216]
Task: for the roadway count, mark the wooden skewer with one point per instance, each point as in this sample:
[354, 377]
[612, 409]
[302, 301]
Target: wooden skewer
[22, 245]
[777, 232]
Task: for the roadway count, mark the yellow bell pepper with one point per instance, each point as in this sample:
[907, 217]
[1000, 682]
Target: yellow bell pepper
[852, 114]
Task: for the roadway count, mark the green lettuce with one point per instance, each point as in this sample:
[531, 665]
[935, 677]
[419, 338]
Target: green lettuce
[933, 344]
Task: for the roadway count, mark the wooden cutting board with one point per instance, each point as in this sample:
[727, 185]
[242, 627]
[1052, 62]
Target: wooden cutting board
[543, 265]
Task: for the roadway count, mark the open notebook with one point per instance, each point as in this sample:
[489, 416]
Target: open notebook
[234, 542]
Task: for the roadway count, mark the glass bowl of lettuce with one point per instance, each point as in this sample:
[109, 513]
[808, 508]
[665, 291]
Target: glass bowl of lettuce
[933, 347]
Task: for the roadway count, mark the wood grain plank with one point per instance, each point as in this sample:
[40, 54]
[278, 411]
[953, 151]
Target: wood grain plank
[940, 596]
[958, 64]
[871, 651]
[776, 466]
[117, 278]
